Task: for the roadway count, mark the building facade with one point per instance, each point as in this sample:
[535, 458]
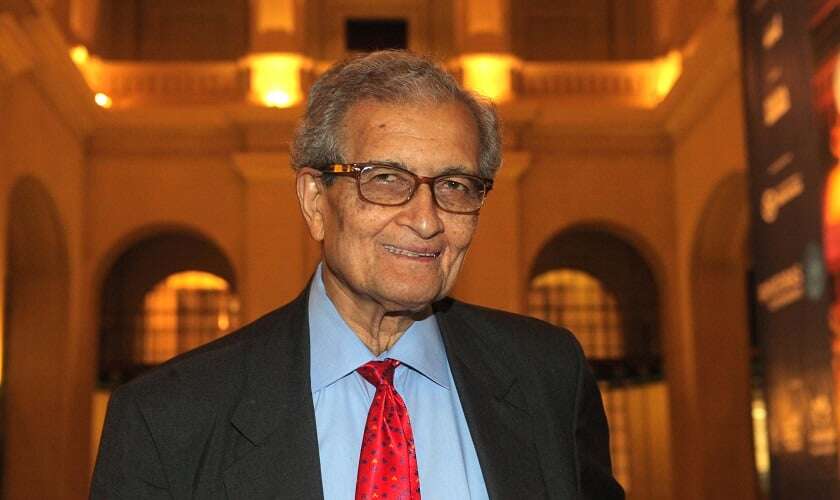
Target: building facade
[147, 203]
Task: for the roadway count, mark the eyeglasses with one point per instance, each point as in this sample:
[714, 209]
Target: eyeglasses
[389, 185]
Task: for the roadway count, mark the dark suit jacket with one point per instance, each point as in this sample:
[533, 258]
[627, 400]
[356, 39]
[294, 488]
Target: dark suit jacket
[235, 418]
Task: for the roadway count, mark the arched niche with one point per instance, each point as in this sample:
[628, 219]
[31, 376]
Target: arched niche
[720, 325]
[601, 286]
[138, 269]
[34, 432]
[623, 270]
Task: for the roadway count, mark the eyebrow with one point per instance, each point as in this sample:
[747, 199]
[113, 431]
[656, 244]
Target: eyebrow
[451, 170]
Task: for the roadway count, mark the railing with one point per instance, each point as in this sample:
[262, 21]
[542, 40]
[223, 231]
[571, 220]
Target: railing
[131, 84]
[642, 83]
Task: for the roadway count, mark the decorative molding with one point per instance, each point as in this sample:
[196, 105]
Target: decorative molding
[575, 107]
[16, 51]
[202, 130]
[136, 84]
[713, 62]
[33, 45]
[631, 82]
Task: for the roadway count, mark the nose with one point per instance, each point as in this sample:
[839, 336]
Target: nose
[421, 214]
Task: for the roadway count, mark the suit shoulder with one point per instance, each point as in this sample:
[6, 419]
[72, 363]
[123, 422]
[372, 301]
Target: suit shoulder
[212, 368]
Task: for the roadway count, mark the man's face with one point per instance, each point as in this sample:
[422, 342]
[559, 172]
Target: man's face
[400, 257]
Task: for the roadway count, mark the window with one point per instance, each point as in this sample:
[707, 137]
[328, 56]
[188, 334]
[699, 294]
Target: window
[173, 30]
[184, 311]
[579, 302]
[576, 300]
[366, 35]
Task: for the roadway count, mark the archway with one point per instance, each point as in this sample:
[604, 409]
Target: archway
[624, 271]
[599, 285]
[168, 291]
[37, 293]
[139, 270]
[719, 274]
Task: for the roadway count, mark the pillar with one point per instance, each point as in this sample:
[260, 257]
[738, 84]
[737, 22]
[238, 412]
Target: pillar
[492, 275]
[275, 265]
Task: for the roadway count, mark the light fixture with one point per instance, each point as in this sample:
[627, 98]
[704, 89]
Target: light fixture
[103, 100]
[275, 79]
[668, 71]
[489, 75]
[79, 54]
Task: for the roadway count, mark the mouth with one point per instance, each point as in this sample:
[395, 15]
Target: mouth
[416, 254]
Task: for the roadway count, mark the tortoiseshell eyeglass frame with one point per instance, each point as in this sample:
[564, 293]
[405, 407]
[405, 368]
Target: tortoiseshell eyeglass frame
[356, 169]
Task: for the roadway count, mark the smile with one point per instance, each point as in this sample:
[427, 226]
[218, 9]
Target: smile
[409, 253]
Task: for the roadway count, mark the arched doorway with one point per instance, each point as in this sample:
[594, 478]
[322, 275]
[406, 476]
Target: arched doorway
[163, 295]
[173, 282]
[599, 286]
[723, 353]
[35, 326]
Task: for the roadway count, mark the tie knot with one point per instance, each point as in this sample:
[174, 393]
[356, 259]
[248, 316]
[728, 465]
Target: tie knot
[379, 372]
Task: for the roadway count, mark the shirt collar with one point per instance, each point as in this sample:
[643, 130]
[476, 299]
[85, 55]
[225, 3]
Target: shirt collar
[336, 351]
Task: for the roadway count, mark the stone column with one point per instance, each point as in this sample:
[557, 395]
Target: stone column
[482, 26]
[82, 20]
[493, 274]
[483, 39]
[276, 26]
[275, 56]
[275, 265]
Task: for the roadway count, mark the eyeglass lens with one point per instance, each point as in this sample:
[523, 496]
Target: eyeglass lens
[391, 186]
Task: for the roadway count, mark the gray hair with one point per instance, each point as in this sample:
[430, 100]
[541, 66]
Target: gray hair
[394, 77]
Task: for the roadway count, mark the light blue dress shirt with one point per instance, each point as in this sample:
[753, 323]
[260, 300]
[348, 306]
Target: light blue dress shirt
[446, 458]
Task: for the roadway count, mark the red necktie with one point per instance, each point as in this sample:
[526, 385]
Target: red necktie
[387, 464]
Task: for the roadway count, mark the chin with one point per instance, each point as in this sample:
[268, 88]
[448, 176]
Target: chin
[411, 298]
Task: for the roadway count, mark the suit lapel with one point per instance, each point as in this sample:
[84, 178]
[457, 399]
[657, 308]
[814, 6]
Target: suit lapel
[276, 417]
[496, 410]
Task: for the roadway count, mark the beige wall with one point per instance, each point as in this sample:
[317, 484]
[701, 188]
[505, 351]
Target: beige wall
[47, 432]
[133, 196]
[710, 368]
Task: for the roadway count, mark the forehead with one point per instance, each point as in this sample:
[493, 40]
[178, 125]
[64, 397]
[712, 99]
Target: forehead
[422, 136]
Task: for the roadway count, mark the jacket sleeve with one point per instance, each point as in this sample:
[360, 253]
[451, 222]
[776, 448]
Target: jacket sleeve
[128, 464]
[593, 441]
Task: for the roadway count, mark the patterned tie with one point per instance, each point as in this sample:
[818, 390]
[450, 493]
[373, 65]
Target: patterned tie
[387, 463]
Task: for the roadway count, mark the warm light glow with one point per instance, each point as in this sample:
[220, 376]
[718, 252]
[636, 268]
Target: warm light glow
[223, 320]
[103, 100]
[831, 220]
[79, 54]
[836, 86]
[832, 198]
[278, 99]
[489, 75]
[275, 79]
[761, 444]
[183, 311]
[195, 280]
[2, 332]
[669, 69]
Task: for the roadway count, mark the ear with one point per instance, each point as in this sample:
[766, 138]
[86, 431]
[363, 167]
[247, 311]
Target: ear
[311, 196]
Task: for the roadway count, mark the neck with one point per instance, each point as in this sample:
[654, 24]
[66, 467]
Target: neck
[375, 325]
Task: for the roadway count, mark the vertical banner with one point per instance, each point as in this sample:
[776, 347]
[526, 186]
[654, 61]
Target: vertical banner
[793, 293]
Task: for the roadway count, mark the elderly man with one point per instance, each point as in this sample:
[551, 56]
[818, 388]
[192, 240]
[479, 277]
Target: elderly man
[373, 384]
